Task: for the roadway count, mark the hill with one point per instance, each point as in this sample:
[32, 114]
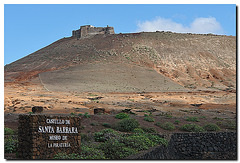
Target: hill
[187, 61]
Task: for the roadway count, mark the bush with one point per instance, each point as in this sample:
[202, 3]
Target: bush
[113, 149]
[93, 124]
[176, 122]
[157, 139]
[168, 126]
[10, 145]
[106, 125]
[231, 125]
[86, 115]
[119, 146]
[211, 127]
[65, 156]
[149, 119]
[8, 131]
[86, 138]
[227, 124]
[138, 142]
[192, 119]
[149, 129]
[130, 144]
[217, 118]
[127, 125]
[105, 134]
[168, 116]
[138, 131]
[158, 124]
[122, 115]
[192, 128]
[89, 152]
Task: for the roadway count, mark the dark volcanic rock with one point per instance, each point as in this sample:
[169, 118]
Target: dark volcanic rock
[37, 109]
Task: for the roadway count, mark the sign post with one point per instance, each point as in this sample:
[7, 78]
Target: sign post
[43, 136]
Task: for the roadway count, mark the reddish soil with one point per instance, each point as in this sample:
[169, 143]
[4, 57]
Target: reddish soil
[214, 106]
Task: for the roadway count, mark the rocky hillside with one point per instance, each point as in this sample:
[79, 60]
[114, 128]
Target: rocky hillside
[191, 60]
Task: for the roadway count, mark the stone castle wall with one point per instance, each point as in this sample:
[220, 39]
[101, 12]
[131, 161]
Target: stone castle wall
[88, 30]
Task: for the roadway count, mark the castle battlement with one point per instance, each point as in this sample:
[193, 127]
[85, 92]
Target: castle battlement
[89, 30]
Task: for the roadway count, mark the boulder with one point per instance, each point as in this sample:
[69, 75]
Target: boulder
[99, 111]
[37, 109]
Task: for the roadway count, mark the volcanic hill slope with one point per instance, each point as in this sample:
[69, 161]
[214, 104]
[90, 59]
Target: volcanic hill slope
[170, 75]
[153, 61]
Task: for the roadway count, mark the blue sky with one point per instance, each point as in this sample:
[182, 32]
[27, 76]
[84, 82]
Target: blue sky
[28, 28]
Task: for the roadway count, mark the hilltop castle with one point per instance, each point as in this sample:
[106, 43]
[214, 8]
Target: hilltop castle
[89, 30]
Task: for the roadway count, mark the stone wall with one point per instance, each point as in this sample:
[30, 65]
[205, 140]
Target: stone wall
[195, 146]
[43, 136]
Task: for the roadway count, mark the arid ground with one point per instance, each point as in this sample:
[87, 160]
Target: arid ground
[215, 106]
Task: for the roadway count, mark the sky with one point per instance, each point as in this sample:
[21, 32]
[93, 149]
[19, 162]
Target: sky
[30, 27]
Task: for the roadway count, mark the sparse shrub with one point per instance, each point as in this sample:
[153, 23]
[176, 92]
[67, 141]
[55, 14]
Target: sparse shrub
[138, 131]
[202, 117]
[227, 124]
[168, 116]
[146, 115]
[105, 134]
[149, 119]
[122, 116]
[90, 152]
[86, 115]
[149, 129]
[157, 139]
[191, 128]
[138, 142]
[177, 122]
[10, 145]
[130, 144]
[211, 127]
[93, 124]
[106, 125]
[168, 126]
[113, 149]
[192, 119]
[90, 94]
[65, 156]
[217, 118]
[82, 127]
[87, 152]
[131, 99]
[128, 58]
[231, 125]
[118, 146]
[86, 138]
[8, 131]
[158, 124]
[127, 125]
